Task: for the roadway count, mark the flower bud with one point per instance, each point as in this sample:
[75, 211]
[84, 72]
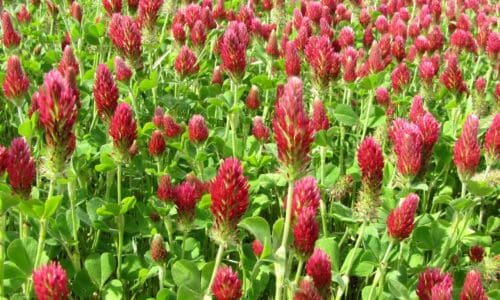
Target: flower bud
[158, 251]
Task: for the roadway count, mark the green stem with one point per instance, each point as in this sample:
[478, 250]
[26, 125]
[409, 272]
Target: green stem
[365, 123]
[184, 237]
[380, 272]
[233, 116]
[299, 271]
[2, 251]
[322, 152]
[20, 114]
[161, 274]
[168, 226]
[120, 220]
[341, 155]
[43, 231]
[218, 260]
[134, 104]
[71, 194]
[340, 292]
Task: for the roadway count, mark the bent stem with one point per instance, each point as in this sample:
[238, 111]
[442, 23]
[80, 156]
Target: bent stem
[218, 260]
[340, 292]
[380, 273]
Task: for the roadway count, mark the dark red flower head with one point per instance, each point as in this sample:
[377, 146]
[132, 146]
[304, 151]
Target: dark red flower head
[473, 287]
[4, 160]
[433, 283]
[166, 188]
[493, 45]
[68, 61]
[307, 291]
[226, 284]
[306, 194]
[492, 141]
[229, 192]
[198, 130]
[257, 247]
[371, 163]
[172, 128]
[158, 251]
[306, 231]
[122, 70]
[23, 15]
[76, 12]
[112, 6]
[105, 93]
[382, 95]
[319, 267]
[185, 198]
[16, 83]
[319, 117]
[157, 143]
[186, 62]
[476, 254]
[148, 13]
[179, 33]
[233, 50]
[451, 78]
[466, 153]
[346, 37]
[252, 101]
[10, 38]
[123, 130]
[272, 45]
[400, 77]
[400, 220]
[260, 130]
[20, 166]
[323, 60]
[480, 86]
[407, 140]
[198, 35]
[293, 131]
[292, 60]
[126, 36]
[217, 76]
[50, 282]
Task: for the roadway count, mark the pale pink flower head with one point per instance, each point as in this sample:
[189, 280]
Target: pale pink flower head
[466, 152]
[492, 141]
[198, 130]
[50, 282]
[16, 83]
[319, 267]
[226, 284]
[400, 221]
[105, 93]
[11, 38]
[229, 191]
[186, 62]
[432, 284]
[293, 130]
[473, 287]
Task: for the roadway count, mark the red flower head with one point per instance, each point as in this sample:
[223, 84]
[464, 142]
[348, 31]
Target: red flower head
[105, 93]
[349, 61]
[427, 71]
[346, 37]
[158, 251]
[192, 14]
[16, 83]
[20, 166]
[323, 60]
[165, 189]
[76, 12]
[127, 37]
[407, 140]
[172, 128]
[431, 279]
[198, 130]
[122, 70]
[436, 39]
[253, 98]
[68, 60]
[257, 247]
[319, 117]
[58, 113]
[293, 131]
[185, 198]
[70, 78]
[179, 33]
[233, 50]
[292, 60]
[148, 13]
[112, 6]
[429, 129]
[371, 163]
[229, 192]
[198, 35]
[382, 96]
[422, 44]
[4, 159]
[492, 141]
[66, 41]
[493, 45]
[368, 37]
[463, 40]
[306, 231]
[476, 254]
[400, 77]
[305, 195]
[482, 35]
[226, 285]
[260, 130]
[52, 8]
[473, 287]
[307, 291]
[272, 45]
[417, 110]
[319, 267]
[208, 18]
[217, 76]
[400, 220]
[123, 130]
[23, 15]
[50, 282]
[451, 78]
[364, 17]
[398, 48]
[157, 144]
[201, 187]
[219, 10]
[466, 152]
[10, 38]
[375, 61]
[480, 86]
[186, 62]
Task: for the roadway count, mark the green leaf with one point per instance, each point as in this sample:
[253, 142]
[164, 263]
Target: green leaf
[127, 204]
[185, 273]
[278, 232]
[7, 201]
[398, 289]
[480, 188]
[25, 129]
[264, 82]
[258, 226]
[185, 293]
[147, 84]
[113, 290]
[22, 253]
[345, 115]
[330, 247]
[83, 285]
[51, 205]
[33, 208]
[109, 209]
[100, 268]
